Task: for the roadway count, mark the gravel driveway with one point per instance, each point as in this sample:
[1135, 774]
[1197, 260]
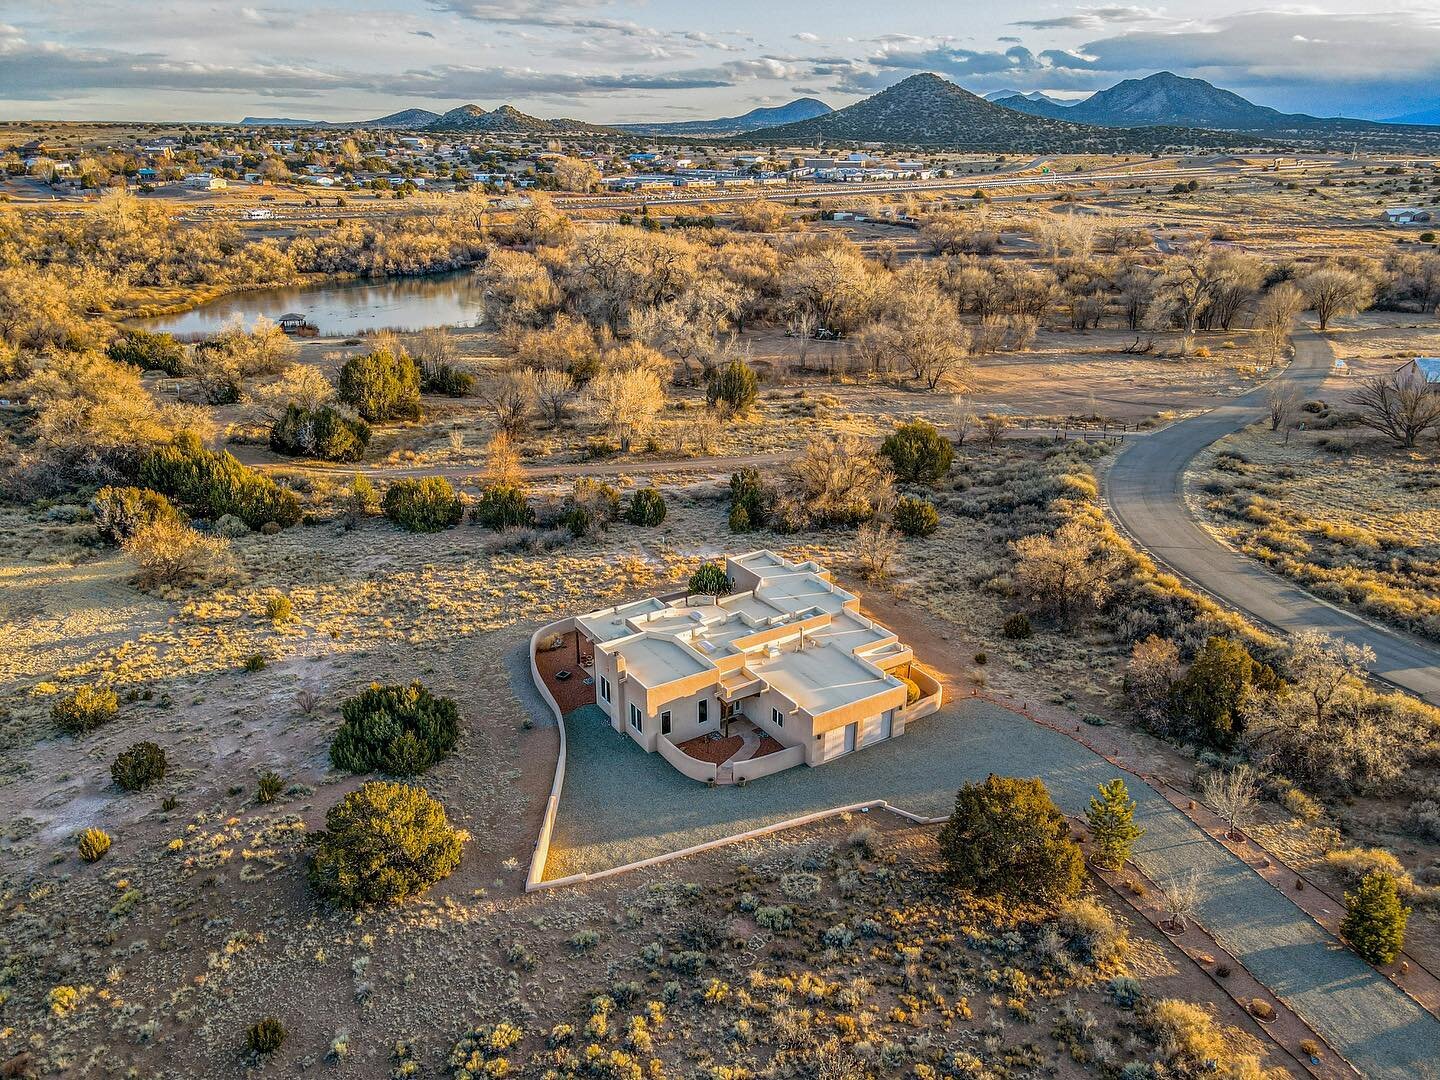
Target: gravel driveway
[621, 804]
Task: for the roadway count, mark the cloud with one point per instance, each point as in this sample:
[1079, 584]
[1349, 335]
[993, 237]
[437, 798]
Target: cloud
[1092, 19]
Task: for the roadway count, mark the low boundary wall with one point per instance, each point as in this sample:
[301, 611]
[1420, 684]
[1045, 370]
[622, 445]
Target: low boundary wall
[552, 802]
[694, 768]
[756, 767]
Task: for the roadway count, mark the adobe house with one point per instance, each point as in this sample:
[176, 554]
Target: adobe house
[785, 658]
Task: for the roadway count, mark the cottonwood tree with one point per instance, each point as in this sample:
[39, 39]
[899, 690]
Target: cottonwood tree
[1233, 795]
[1068, 570]
[761, 216]
[1400, 412]
[575, 174]
[518, 290]
[626, 401]
[1332, 292]
[299, 384]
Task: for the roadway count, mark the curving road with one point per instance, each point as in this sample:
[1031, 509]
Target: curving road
[1145, 489]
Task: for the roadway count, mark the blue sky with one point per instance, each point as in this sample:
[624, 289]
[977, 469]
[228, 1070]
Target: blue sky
[680, 59]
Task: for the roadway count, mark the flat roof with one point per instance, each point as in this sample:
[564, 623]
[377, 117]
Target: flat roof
[819, 679]
[656, 661]
[608, 624]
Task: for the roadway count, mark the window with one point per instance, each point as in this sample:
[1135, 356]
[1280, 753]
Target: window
[635, 719]
[604, 689]
[777, 716]
[702, 711]
[665, 722]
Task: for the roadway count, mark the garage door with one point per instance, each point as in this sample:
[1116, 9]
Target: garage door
[874, 729]
[832, 744]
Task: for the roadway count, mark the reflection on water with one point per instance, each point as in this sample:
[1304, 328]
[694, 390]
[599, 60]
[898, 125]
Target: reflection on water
[344, 308]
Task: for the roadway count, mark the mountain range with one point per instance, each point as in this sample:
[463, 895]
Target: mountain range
[465, 119]
[926, 110]
[754, 120]
[1169, 99]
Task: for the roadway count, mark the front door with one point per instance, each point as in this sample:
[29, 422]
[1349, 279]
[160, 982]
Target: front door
[849, 737]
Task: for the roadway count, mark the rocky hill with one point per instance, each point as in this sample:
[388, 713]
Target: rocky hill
[926, 110]
[507, 119]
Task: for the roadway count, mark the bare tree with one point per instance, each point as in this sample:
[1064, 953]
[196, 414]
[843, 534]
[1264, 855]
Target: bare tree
[554, 391]
[1068, 569]
[1319, 666]
[1232, 795]
[626, 401]
[1182, 897]
[1281, 399]
[994, 428]
[964, 420]
[876, 546]
[1332, 292]
[1275, 317]
[509, 398]
[1400, 412]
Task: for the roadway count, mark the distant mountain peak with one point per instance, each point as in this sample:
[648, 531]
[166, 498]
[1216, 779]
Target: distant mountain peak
[805, 108]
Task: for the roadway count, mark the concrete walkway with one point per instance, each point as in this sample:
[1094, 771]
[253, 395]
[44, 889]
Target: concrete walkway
[1145, 489]
[620, 805]
[750, 737]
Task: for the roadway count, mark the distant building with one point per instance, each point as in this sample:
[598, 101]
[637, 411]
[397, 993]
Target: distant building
[1407, 216]
[1422, 371]
[206, 182]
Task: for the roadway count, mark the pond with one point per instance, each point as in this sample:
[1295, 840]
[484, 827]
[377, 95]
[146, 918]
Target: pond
[341, 308]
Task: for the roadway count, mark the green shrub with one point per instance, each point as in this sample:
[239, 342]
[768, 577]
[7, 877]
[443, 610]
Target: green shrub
[210, 485]
[733, 386]
[918, 452]
[121, 511]
[916, 517]
[647, 508]
[279, 609]
[447, 379]
[93, 844]
[502, 506]
[1017, 626]
[1207, 698]
[400, 730]
[254, 662]
[710, 580]
[149, 352]
[423, 505]
[1374, 922]
[383, 843]
[268, 789]
[265, 1037]
[139, 767]
[84, 709]
[751, 500]
[325, 433]
[381, 385]
[1007, 838]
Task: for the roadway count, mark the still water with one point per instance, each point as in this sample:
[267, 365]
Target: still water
[343, 308]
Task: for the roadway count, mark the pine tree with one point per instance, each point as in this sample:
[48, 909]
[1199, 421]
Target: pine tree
[1111, 818]
[1375, 919]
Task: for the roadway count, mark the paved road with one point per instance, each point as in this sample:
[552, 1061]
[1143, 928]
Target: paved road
[1375, 1026]
[1145, 492]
